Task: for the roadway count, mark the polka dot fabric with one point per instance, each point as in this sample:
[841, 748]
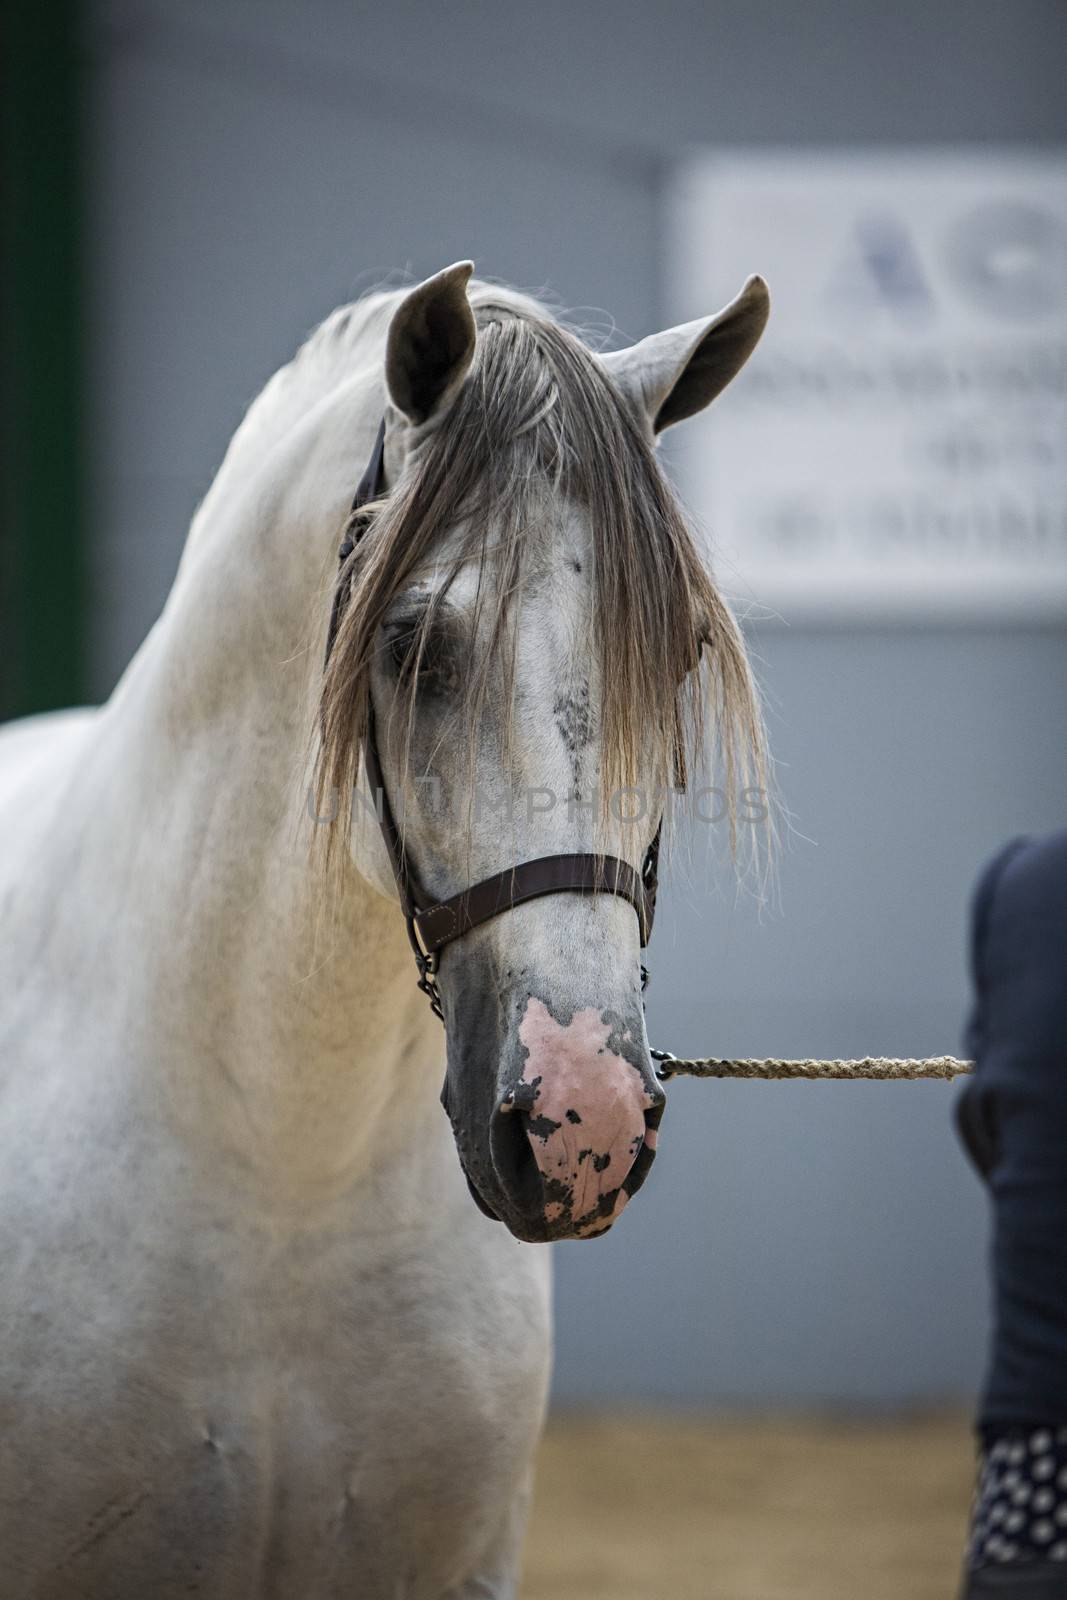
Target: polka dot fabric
[1020, 1502]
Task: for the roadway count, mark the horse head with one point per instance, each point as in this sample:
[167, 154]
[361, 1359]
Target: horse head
[530, 648]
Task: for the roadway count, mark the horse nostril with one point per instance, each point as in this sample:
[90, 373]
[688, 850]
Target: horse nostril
[513, 1157]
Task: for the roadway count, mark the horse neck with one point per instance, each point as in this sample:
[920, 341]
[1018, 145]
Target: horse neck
[292, 1026]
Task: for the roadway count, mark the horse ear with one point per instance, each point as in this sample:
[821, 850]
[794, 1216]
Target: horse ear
[670, 376]
[431, 344]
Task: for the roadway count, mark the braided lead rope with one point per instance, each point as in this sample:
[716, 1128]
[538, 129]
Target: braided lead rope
[882, 1068]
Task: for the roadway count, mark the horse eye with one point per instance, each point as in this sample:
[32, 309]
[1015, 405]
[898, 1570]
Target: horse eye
[401, 642]
[434, 665]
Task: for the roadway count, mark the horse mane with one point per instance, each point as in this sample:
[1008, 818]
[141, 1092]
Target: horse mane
[539, 417]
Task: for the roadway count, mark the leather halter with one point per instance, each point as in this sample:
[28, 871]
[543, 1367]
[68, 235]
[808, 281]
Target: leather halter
[433, 924]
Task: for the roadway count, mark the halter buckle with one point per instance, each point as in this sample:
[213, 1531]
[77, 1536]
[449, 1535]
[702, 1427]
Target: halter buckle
[427, 963]
[664, 1064]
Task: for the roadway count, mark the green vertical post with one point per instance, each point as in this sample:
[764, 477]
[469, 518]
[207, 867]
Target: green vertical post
[42, 550]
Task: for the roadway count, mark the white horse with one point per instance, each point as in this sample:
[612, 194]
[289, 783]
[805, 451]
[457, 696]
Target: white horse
[258, 1339]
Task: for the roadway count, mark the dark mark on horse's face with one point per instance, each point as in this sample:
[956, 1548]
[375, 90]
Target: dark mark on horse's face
[576, 723]
[574, 718]
[542, 1127]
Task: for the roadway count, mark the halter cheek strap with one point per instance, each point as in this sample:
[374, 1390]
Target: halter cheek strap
[433, 924]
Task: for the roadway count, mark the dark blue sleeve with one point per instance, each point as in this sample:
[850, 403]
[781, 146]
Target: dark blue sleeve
[975, 1108]
[1012, 1117]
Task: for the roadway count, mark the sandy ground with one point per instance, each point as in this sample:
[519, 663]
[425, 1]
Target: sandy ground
[660, 1509]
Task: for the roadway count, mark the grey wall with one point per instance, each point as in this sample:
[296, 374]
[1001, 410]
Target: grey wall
[257, 164]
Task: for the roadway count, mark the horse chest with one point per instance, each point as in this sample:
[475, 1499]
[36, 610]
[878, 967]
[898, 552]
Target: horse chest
[226, 1415]
[255, 1511]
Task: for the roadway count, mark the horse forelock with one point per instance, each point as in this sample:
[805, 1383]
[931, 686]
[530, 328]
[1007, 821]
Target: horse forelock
[539, 424]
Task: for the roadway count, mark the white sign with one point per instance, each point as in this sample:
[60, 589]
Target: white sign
[897, 446]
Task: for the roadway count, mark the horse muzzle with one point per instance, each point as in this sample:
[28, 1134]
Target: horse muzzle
[569, 1130]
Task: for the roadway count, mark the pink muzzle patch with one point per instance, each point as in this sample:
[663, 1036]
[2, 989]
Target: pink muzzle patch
[586, 1107]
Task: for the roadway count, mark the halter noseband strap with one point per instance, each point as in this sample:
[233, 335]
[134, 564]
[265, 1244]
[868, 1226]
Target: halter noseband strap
[433, 925]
